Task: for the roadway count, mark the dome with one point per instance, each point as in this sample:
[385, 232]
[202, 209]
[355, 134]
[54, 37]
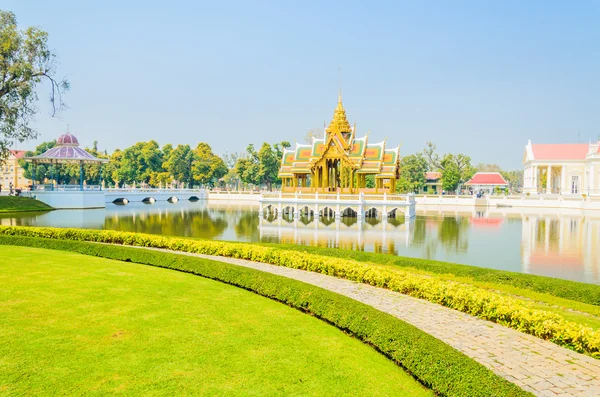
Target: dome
[67, 140]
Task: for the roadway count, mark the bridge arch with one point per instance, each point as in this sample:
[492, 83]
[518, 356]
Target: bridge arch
[372, 213]
[350, 212]
[149, 199]
[173, 199]
[288, 209]
[121, 200]
[395, 212]
[306, 210]
[327, 212]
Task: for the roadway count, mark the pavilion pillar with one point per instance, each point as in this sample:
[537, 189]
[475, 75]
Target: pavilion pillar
[549, 180]
[33, 176]
[81, 175]
[563, 180]
[100, 176]
[535, 178]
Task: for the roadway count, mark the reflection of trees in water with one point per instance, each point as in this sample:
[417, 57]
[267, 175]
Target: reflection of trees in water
[397, 221]
[305, 219]
[247, 226]
[419, 233]
[20, 219]
[373, 221]
[349, 220]
[452, 233]
[327, 220]
[172, 223]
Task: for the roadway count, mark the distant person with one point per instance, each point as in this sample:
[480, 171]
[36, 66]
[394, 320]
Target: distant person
[10, 188]
[0, 188]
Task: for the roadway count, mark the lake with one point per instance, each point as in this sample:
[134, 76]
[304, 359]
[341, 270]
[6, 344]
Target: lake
[542, 242]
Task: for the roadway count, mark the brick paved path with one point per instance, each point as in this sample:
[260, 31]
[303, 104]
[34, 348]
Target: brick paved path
[538, 366]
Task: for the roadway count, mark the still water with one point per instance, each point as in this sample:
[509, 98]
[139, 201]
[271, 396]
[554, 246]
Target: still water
[564, 245]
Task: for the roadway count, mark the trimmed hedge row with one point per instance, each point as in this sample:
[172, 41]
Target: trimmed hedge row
[572, 290]
[502, 309]
[438, 366]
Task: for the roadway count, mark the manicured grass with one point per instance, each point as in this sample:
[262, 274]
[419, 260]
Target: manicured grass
[79, 324]
[443, 369]
[21, 204]
[512, 311]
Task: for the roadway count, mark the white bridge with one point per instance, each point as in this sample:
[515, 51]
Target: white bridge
[151, 196]
[338, 205]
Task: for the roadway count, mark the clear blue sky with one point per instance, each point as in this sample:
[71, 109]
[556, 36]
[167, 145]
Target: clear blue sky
[479, 77]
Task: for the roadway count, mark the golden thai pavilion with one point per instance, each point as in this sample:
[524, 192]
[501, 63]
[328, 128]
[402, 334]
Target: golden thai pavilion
[340, 161]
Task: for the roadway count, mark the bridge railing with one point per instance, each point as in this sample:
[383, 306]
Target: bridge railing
[152, 190]
[65, 188]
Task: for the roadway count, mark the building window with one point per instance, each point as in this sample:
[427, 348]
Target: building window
[575, 184]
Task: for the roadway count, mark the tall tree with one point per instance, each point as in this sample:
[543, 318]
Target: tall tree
[232, 178]
[261, 168]
[207, 167]
[25, 62]
[269, 165]
[412, 173]
[455, 168]
[179, 164]
[139, 162]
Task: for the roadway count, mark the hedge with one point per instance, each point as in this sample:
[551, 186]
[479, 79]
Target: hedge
[572, 290]
[436, 365]
[488, 305]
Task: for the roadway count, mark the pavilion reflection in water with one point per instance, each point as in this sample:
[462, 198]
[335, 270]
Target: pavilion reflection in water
[370, 234]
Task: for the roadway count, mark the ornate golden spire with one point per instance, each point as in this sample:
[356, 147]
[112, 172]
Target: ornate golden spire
[339, 122]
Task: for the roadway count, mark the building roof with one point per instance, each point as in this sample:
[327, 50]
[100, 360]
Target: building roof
[67, 150]
[487, 178]
[340, 142]
[18, 154]
[67, 139]
[433, 176]
[561, 151]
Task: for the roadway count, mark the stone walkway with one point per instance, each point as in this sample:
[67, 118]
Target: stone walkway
[538, 366]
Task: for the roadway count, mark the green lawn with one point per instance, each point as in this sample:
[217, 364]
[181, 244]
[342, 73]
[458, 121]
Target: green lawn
[77, 324]
[19, 204]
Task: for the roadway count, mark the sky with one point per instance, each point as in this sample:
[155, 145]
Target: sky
[474, 77]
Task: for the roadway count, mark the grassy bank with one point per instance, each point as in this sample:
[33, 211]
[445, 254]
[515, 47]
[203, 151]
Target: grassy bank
[112, 326]
[550, 323]
[21, 204]
[96, 291]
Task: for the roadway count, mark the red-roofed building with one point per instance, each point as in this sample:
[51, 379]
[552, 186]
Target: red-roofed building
[487, 182]
[566, 169]
[12, 173]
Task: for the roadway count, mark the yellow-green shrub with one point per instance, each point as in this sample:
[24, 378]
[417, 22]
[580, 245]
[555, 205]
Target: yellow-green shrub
[504, 310]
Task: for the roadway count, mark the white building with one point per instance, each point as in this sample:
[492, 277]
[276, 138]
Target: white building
[572, 168]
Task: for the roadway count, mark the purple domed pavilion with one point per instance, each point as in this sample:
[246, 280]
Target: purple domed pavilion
[66, 151]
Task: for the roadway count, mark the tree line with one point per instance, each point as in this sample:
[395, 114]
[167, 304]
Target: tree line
[150, 165]
[455, 170]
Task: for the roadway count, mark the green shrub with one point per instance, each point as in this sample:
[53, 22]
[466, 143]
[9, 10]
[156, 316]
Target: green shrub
[572, 290]
[438, 366]
[504, 310]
